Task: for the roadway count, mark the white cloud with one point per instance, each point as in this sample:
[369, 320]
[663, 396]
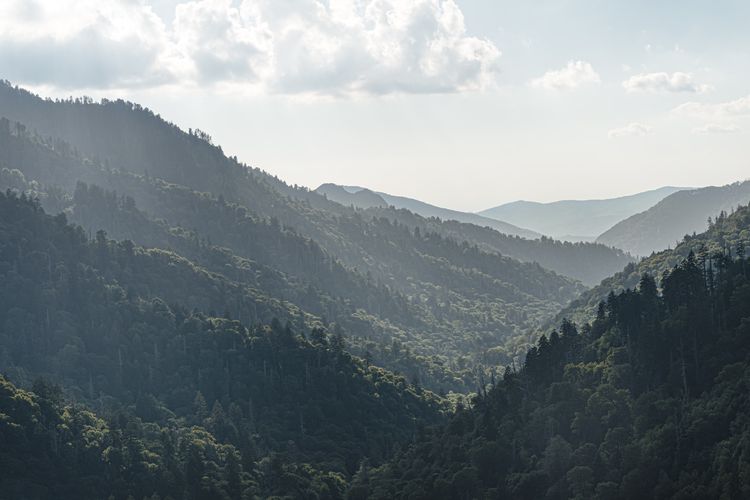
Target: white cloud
[738, 107]
[219, 42]
[574, 75]
[716, 128]
[664, 82]
[631, 130]
[329, 47]
[86, 43]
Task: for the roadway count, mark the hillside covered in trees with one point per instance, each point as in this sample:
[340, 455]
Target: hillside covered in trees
[177, 324]
[649, 400]
[436, 301]
[365, 198]
[151, 397]
[587, 262]
[403, 310]
[125, 136]
[727, 233]
[681, 213]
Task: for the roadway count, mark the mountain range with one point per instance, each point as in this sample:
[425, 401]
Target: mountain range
[638, 224]
[175, 323]
[364, 198]
[413, 294]
[588, 262]
[679, 214]
[577, 220]
[641, 400]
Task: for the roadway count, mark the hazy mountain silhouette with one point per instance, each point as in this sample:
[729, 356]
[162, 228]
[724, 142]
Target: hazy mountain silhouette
[681, 213]
[577, 220]
[588, 262]
[364, 198]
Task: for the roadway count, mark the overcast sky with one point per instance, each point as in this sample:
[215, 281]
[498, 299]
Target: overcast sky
[462, 103]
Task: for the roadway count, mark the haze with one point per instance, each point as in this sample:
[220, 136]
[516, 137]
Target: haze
[464, 104]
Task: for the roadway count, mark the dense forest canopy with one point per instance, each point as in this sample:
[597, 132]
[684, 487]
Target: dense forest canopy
[128, 137]
[177, 324]
[176, 389]
[426, 298]
[727, 233]
[650, 400]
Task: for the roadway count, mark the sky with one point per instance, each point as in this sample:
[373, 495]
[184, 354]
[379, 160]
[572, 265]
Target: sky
[466, 104]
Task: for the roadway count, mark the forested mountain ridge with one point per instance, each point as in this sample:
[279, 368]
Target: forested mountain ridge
[125, 136]
[196, 406]
[428, 305]
[650, 400]
[416, 336]
[364, 198]
[224, 337]
[726, 233]
[681, 213]
[361, 198]
[577, 219]
[587, 262]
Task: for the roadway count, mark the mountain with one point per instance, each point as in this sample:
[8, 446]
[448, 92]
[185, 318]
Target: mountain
[157, 397]
[361, 198]
[577, 220]
[409, 297]
[681, 213]
[726, 233]
[587, 262]
[364, 198]
[292, 278]
[649, 400]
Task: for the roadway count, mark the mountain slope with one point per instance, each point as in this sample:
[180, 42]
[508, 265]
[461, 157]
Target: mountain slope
[577, 219]
[727, 233]
[360, 198]
[681, 213]
[198, 406]
[122, 136]
[649, 401]
[364, 198]
[587, 262]
[416, 301]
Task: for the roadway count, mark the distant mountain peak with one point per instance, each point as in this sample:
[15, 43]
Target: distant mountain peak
[365, 198]
[360, 198]
[584, 218]
[668, 221]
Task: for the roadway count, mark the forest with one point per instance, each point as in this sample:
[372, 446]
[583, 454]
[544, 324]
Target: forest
[175, 323]
[648, 400]
[188, 396]
[421, 299]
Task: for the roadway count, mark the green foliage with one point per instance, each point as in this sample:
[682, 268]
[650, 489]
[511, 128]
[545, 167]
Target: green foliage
[727, 234]
[587, 262]
[245, 406]
[651, 400]
[452, 305]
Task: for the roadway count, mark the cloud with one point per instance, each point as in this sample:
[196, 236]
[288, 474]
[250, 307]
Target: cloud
[631, 130]
[663, 82]
[87, 43]
[716, 128]
[327, 47]
[574, 75]
[738, 107]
